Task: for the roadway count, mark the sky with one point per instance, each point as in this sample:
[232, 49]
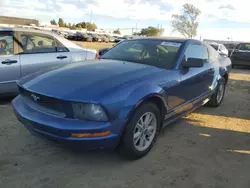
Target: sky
[220, 19]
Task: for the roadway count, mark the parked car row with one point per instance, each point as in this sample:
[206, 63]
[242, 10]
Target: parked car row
[90, 37]
[241, 55]
[238, 53]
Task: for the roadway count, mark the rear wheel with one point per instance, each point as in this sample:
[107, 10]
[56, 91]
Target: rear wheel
[218, 96]
[141, 132]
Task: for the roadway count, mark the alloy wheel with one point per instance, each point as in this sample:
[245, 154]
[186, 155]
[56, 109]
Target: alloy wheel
[220, 92]
[145, 130]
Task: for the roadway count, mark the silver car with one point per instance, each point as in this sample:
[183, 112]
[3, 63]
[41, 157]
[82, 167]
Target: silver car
[25, 51]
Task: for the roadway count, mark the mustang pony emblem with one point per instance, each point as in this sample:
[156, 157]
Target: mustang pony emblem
[35, 98]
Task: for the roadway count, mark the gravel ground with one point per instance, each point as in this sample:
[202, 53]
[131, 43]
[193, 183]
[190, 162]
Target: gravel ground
[208, 148]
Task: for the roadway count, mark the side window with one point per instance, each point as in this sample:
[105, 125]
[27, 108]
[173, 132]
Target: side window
[36, 43]
[6, 44]
[60, 47]
[196, 51]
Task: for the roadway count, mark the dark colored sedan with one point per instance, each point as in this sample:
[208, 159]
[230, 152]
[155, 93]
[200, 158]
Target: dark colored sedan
[241, 55]
[96, 38]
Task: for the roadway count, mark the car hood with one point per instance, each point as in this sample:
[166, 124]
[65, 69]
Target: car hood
[87, 80]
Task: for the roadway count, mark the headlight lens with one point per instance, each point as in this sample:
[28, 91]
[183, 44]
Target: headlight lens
[86, 111]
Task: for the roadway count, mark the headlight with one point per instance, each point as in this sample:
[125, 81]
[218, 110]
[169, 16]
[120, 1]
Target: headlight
[86, 111]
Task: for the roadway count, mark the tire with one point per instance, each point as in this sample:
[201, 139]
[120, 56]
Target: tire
[128, 148]
[215, 100]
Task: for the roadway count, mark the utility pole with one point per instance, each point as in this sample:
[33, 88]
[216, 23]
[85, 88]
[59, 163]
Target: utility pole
[90, 16]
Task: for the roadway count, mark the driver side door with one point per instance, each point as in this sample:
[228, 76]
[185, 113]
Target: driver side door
[194, 80]
[9, 63]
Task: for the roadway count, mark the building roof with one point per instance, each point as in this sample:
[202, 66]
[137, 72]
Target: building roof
[17, 21]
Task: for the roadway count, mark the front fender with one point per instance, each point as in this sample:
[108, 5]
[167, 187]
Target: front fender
[140, 95]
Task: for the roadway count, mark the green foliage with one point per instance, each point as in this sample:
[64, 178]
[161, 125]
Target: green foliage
[117, 31]
[186, 23]
[150, 31]
[88, 25]
[136, 34]
[61, 22]
[53, 22]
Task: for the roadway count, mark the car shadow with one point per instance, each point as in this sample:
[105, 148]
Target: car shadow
[236, 103]
[184, 132]
[6, 100]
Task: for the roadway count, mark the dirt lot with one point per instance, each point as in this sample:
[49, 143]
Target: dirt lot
[94, 45]
[209, 148]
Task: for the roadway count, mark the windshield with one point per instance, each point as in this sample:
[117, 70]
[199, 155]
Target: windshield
[159, 53]
[215, 46]
[243, 47]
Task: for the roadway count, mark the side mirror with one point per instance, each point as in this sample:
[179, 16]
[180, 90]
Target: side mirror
[223, 53]
[194, 62]
[103, 51]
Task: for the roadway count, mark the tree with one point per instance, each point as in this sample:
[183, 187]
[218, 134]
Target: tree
[90, 26]
[81, 24]
[53, 22]
[136, 34]
[78, 27]
[186, 23]
[150, 31]
[61, 22]
[117, 31]
[73, 27]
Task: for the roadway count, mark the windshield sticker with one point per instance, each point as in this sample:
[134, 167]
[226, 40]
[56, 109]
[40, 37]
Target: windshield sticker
[172, 44]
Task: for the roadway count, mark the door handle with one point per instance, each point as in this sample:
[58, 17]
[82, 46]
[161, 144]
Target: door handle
[211, 70]
[9, 62]
[61, 57]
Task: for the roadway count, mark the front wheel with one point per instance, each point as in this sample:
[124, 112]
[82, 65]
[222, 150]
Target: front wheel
[141, 131]
[218, 96]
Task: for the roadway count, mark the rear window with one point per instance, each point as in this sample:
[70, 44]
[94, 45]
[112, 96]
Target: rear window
[159, 53]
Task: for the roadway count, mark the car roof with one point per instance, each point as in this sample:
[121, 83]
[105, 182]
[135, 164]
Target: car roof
[26, 30]
[244, 43]
[166, 38]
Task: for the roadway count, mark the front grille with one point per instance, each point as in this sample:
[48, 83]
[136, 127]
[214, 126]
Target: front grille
[46, 104]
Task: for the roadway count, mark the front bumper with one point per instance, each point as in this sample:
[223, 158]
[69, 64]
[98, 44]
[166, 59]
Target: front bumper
[59, 130]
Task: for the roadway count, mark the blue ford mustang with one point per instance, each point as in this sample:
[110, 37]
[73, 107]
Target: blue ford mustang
[122, 100]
